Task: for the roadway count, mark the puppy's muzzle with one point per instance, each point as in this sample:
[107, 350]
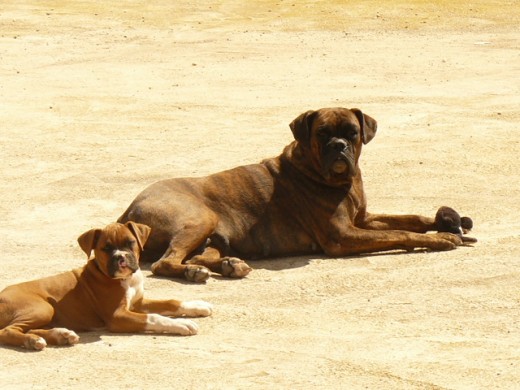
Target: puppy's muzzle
[122, 261]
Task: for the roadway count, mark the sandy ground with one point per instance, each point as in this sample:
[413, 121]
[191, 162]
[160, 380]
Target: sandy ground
[98, 101]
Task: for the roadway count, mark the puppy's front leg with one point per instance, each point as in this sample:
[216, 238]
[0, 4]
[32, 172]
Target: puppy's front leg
[174, 308]
[125, 321]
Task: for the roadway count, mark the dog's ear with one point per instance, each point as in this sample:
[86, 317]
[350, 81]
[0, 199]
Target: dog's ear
[87, 241]
[301, 126]
[140, 231]
[368, 125]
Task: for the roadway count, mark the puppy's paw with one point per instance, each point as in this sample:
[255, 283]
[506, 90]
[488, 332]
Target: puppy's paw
[184, 327]
[157, 323]
[35, 343]
[65, 336]
[196, 308]
[234, 267]
[196, 273]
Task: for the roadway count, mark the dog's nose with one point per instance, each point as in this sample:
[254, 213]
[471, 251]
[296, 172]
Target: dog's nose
[339, 145]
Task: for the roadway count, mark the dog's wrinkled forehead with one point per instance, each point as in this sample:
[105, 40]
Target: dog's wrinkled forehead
[115, 234]
[335, 119]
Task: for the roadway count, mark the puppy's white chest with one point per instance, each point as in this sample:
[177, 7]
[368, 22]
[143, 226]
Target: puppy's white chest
[134, 288]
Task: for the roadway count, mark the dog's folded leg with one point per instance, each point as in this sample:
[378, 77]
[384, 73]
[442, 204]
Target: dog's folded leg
[231, 267]
[234, 267]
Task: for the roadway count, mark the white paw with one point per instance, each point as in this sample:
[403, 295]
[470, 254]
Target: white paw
[36, 343]
[186, 327]
[196, 308]
[160, 324]
[66, 336]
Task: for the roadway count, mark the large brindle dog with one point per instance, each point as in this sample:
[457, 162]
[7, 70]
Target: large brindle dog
[310, 199]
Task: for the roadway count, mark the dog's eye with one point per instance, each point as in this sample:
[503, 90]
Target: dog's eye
[130, 243]
[322, 134]
[352, 136]
[107, 248]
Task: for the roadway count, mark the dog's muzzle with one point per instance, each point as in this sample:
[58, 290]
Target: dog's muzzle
[340, 158]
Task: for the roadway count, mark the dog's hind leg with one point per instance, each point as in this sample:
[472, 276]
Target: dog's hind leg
[18, 332]
[184, 242]
[171, 265]
[232, 267]
[15, 336]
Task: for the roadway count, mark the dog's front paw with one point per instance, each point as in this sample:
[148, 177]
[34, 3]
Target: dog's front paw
[446, 241]
[196, 308]
[196, 273]
[234, 267]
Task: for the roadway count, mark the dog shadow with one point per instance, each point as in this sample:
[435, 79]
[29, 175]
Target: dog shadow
[271, 264]
[294, 262]
[282, 263]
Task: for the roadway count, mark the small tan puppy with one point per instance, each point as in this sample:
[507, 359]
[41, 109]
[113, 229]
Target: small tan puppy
[107, 293]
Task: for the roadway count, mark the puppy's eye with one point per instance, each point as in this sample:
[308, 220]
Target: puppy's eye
[107, 248]
[130, 243]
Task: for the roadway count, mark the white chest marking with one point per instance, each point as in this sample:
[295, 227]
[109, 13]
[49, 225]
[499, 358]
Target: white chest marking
[134, 287]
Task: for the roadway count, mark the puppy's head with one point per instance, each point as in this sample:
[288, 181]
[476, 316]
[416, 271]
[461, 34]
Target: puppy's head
[331, 140]
[116, 247]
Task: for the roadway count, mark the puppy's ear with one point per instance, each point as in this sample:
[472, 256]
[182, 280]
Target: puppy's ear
[368, 125]
[87, 241]
[301, 127]
[140, 231]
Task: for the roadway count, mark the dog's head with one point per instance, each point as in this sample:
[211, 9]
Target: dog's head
[331, 139]
[116, 247]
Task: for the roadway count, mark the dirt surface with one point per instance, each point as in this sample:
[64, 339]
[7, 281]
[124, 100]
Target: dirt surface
[99, 100]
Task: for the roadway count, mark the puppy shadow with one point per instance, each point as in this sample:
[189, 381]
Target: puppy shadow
[84, 338]
[16, 349]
